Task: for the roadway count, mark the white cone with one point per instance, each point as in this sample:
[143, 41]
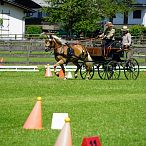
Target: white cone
[69, 75]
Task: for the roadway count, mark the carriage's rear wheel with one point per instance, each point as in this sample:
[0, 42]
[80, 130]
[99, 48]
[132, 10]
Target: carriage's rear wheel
[83, 72]
[102, 71]
[113, 70]
[131, 69]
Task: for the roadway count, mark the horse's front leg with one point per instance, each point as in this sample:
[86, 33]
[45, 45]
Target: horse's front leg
[56, 73]
[59, 63]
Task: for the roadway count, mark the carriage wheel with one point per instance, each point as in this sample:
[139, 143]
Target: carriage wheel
[131, 69]
[83, 72]
[102, 71]
[113, 70]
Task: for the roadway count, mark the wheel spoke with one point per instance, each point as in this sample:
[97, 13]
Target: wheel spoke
[102, 71]
[113, 70]
[131, 69]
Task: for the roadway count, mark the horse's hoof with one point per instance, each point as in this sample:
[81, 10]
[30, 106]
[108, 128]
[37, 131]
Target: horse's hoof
[76, 76]
[65, 78]
[57, 74]
[88, 78]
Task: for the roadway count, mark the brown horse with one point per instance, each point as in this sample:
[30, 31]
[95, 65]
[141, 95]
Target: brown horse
[65, 53]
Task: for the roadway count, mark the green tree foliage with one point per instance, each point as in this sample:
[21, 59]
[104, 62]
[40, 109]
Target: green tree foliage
[84, 15]
[137, 30]
[33, 29]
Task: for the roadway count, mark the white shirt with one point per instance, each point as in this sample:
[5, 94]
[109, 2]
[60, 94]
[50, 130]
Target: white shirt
[126, 39]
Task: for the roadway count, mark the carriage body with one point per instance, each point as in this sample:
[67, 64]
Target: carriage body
[99, 53]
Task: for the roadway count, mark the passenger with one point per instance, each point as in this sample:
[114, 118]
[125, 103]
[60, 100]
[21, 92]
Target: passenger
[127, 41]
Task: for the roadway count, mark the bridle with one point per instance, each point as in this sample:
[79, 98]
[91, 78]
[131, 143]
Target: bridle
[51, 44]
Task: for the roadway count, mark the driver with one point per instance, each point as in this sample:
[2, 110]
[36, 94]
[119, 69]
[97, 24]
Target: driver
[108, 35]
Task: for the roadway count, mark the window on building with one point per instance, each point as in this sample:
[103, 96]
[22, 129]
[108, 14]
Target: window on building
[137, 14]
[29, 14]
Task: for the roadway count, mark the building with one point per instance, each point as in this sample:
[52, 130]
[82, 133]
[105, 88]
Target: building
[12, 17]
[134, 17]
[15, 15]
[38, 17]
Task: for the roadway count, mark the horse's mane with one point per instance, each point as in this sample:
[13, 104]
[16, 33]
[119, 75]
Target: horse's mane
[58, 39]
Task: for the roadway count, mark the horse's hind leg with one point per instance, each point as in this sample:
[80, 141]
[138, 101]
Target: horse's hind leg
[78, 67]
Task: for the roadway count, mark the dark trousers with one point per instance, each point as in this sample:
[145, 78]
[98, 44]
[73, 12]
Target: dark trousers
[106, 47]
[129, 52]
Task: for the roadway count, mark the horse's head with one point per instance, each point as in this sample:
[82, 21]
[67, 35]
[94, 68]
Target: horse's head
[49, 43]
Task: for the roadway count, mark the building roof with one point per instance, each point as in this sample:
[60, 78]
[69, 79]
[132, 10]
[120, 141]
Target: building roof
[28, 3]
[27, 9]
[42, 3]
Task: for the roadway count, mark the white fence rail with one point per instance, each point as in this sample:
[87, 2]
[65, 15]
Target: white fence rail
[19, 68]
[35, 68]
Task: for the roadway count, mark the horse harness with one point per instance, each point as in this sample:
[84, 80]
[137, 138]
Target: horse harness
[70, 53]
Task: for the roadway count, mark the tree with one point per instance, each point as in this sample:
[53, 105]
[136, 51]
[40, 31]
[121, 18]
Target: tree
[83, 16]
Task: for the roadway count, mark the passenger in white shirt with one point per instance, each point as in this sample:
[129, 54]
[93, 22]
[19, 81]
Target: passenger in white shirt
[127, 41]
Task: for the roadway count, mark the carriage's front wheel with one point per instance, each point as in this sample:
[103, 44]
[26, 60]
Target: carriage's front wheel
[84, 73]
[113, 70]
[102, 71]
[131, 69]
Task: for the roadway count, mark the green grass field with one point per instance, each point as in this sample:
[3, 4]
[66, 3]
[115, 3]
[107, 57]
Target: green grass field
[113, 109]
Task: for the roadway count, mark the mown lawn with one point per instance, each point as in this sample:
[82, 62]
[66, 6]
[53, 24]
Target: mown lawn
[113, 109]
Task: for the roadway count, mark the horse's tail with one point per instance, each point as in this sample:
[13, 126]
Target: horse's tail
[88, 59]
[84, 52]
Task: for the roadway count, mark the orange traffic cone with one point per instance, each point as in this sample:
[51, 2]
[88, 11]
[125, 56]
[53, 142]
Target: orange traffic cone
[34, 121]
[48, 71]
[65, 138]
[61, 74]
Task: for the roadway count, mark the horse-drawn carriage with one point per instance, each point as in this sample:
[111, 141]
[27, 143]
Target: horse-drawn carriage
[109, 62]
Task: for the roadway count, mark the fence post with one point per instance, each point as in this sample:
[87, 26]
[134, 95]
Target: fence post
[28, 53]
[15, 36]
